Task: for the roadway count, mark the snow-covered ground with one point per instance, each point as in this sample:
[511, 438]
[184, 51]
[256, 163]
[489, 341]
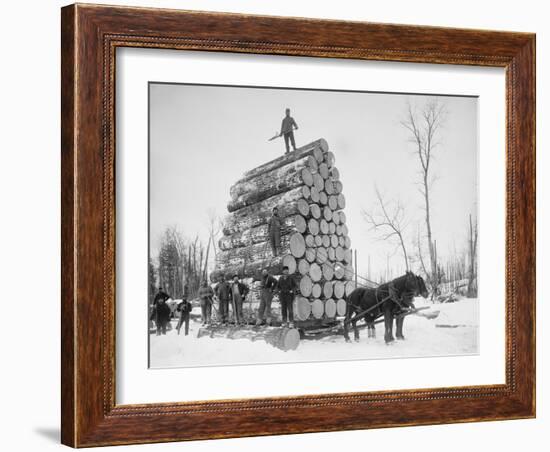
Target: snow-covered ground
[453, 332]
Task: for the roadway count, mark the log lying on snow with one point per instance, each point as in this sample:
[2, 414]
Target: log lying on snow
[289, 203]
[282, 338]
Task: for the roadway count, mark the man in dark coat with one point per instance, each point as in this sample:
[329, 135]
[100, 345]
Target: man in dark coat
[268, 284]
[161, 315]
[184, 308]
[205, 294]
[287, 289]
[287, 130]
[274, 232]
[160, 295]
[223, 292]
[238, 294]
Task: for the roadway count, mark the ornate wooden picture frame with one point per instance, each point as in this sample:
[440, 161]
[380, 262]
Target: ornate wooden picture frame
[90, 37]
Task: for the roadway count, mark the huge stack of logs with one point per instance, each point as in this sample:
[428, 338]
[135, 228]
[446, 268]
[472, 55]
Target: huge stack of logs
[305, 186]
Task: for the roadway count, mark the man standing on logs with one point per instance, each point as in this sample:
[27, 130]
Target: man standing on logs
[223, 292]
[274, 232]
[287, 130]
[238, 294]
[268, 284]
[287, 290]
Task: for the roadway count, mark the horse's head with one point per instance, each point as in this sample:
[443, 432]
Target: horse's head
[417, 285]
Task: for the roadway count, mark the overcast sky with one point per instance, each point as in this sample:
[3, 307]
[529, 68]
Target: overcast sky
[202, 138]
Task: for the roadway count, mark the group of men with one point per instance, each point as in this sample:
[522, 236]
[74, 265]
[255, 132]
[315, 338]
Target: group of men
[229, 293]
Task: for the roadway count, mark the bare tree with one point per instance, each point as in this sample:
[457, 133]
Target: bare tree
[388, 219]
[472, 257]
[423, 126]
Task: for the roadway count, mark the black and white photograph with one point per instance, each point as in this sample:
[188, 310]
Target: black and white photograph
[299, 225]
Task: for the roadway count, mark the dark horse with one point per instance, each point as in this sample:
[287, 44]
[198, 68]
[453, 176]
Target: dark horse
[389, 299]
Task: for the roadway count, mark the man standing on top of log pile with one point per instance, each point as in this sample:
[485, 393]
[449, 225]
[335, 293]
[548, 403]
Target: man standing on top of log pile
[223, 292]
[274, 231]
[287, 290]
[268, 284]
[205, 294]
[239, 291]
[287, 130]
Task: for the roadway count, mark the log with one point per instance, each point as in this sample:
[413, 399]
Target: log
[338, 187]
[306, 192]
[334, 173]
[305, 285]
[333, 202]
[317, 148]
[311, 255]
[297, 244]
[282, 338]
[318, 240]
[339, 289]
[282, 180]
[328, 271]
[321, 255]
[329, 159]
[323, 198]
[341, 307]
[315, 272]
[302, 308]
[326, 240]
[315, 211]
[317, 308]
[314, 195]
[316, 290]
[288, 203]
[341, 241]
[318, 182]
[350, 287]
[323, 170]
[258, 183]
[313, 226]
[303, 267]
[336, 219]
[327, 213]
[347, 256]
[327, 289]
[253, 270]
[290, 244]
[310, 241]
[339, 271]
[312, 163]
[329, 187]
[323, 226]
[339, 253]
[334, 242]
[341, 201]
[331, 254]
[330, 308]
[347, 242]
[342, 218]
[290, 224]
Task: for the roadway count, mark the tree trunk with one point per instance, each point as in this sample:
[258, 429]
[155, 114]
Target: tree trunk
[316, 147]
[253, 269]
[288, 203]
[270, 184]
[290, 224]
[281, 338]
